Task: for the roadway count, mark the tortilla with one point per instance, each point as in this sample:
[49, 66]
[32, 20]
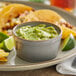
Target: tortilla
[12, 11]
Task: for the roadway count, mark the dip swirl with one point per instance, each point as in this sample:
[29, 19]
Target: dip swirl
[38, 32]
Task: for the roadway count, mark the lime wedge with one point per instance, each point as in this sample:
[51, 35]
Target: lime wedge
[68, 43]
[3, 36]
[8, 44]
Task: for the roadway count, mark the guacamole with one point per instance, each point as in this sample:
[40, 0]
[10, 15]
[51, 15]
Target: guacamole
[38, 32]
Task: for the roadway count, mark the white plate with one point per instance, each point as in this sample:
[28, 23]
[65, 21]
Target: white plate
[16, 64]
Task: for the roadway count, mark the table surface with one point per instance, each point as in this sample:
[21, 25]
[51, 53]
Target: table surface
[41, 72]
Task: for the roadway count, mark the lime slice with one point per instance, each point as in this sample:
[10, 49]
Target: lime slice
[3, 36]
[8, 44]
[68, 43]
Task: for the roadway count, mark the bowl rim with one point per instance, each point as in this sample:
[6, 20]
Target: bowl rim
[14, 31]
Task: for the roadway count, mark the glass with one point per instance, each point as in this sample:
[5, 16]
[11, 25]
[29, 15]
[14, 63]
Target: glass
[68, 5]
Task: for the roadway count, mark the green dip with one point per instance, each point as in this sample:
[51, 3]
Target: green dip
[38, 32]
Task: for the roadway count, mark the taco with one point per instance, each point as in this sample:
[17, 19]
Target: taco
[12, 15]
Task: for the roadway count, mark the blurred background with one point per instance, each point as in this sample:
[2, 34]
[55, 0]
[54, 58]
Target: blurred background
[68, 5]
